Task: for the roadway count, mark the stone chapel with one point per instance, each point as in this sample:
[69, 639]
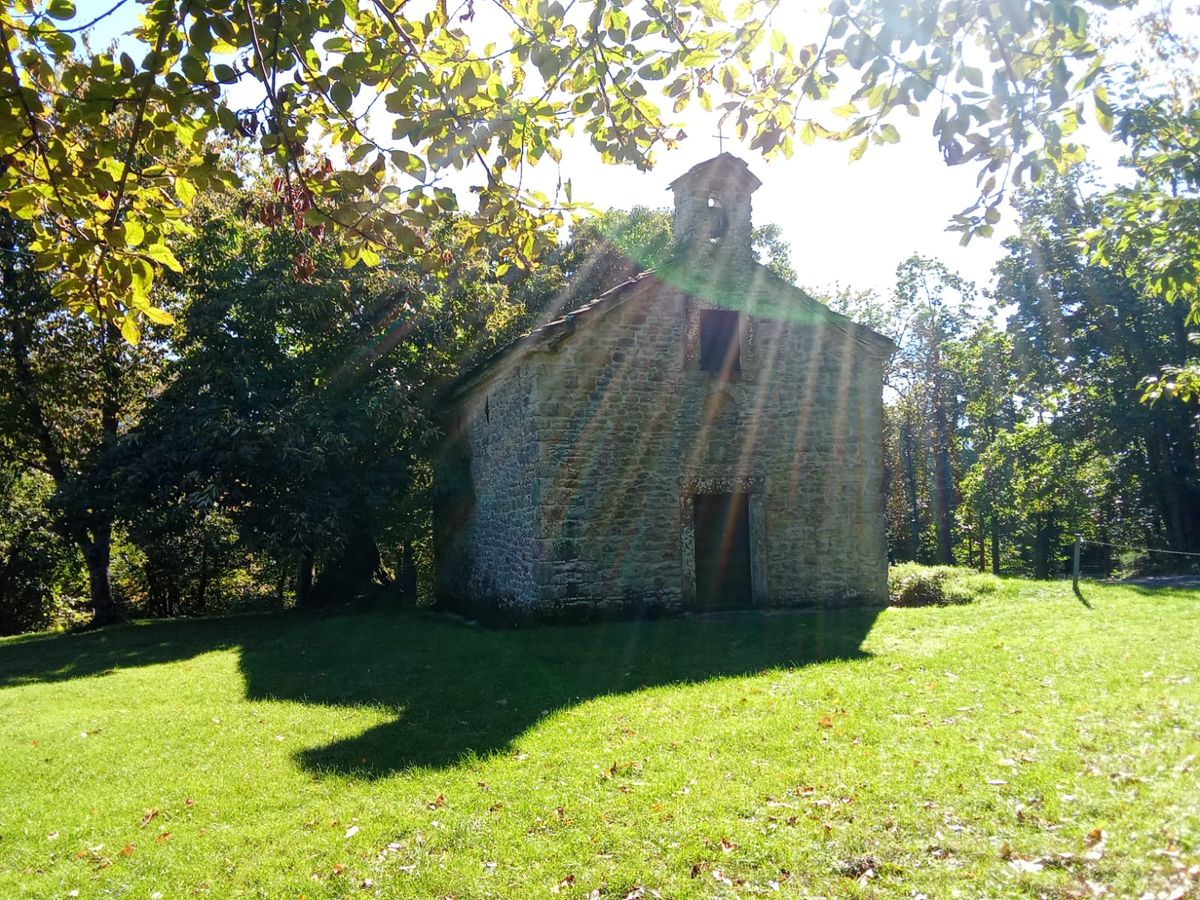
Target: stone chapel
[702, 436]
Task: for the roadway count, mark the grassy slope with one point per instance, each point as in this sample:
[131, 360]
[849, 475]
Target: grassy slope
[698, 757]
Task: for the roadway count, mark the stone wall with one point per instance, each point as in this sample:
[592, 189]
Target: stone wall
[631, 429]
[485, 494]
[585, 475]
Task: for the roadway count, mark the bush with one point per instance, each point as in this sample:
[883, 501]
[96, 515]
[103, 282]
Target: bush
[40, 574]
[911, 584]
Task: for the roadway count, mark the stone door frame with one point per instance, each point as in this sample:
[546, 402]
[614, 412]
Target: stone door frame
[751, 485]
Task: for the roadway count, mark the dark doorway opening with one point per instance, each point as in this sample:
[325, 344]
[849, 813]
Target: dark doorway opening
[722, 541]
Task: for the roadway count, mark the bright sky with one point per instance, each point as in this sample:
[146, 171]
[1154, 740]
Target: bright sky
[848, 223]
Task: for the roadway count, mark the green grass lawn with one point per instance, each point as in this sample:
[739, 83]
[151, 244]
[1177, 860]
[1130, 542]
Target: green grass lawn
[972, 748]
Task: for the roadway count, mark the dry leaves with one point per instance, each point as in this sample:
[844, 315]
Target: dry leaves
[858, 867]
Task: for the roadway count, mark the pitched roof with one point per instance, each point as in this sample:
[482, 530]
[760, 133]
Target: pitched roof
[722, 164]
[673, 274]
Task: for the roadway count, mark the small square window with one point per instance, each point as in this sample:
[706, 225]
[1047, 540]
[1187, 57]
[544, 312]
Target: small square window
[720, 346]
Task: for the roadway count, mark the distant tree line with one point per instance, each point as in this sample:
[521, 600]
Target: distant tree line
[1019, 416]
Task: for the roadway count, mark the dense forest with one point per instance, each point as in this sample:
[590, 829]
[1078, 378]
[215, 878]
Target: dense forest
[228, 302]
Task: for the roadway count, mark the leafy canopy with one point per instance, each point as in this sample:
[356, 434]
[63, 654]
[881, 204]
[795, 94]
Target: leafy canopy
[365, 107]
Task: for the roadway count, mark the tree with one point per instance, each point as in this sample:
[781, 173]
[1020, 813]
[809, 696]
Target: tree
[69, 389]
[299, 407]
[1050, 488]
[38, 569]
[939, 303]
[104, 154]
[1083, 336]
[929, 310]
[984, 369]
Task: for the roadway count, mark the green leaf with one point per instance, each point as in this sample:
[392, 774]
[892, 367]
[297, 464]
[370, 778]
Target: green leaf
[185, 191]
[341, 96]
[61, 9]
[161, 253]
[134, 232]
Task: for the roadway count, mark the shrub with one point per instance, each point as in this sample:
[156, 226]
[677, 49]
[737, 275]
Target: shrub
[911, 584]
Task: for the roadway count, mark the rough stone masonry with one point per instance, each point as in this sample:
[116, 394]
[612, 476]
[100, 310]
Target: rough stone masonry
[582, 462]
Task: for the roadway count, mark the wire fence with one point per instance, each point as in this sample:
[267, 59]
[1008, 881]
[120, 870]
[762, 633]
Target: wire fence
[1130, 561]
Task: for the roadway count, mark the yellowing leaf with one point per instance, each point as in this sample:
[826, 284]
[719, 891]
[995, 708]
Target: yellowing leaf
[161, 253]
[130, 330]
[158, 316]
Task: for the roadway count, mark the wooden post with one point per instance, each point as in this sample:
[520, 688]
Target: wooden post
[1075, 567]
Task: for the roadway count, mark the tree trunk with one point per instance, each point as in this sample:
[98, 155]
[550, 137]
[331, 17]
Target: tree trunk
[97, 553]
[982, 545]
[995, 547]
[350, 575]
[1042, 546]
[943, 487]
[910, 487]
[407, 580]
[202, 580]
[304, 578]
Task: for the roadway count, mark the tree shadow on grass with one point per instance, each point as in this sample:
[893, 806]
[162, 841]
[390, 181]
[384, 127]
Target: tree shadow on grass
[454, 689]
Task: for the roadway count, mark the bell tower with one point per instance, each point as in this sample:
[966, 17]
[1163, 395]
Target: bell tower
[712, 207]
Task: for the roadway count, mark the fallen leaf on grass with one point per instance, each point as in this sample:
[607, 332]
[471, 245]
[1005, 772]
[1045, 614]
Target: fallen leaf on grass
[150, 816]
[127, 850]
[437, 802]
[857, 866]
[163, 838]
[1094, 841]
[566, 882]
[92, 855]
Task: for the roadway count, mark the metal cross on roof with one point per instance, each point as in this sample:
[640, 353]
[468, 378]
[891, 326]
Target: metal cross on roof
[720, 136]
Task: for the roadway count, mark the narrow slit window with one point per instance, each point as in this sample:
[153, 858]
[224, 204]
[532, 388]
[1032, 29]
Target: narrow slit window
[720, 347]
